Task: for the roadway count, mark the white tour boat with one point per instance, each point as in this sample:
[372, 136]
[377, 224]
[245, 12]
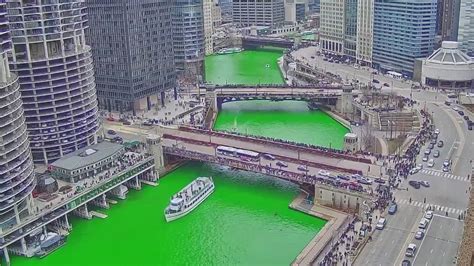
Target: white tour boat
[189, 198]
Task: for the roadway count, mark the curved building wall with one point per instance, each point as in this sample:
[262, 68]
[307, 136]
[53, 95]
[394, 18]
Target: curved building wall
[16, 167]
[56, 75]
[188, 36]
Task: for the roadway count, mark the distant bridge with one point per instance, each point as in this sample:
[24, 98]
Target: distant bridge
[249, 42]
[324, 94]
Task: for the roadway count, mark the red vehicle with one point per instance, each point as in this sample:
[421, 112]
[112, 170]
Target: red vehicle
[110, 119]
[355, 187]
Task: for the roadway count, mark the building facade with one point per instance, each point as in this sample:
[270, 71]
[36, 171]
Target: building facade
[403, 31]
[365, 31]
[16, 166]
[208, 26]
[188, 37]
[466, 26]
[448, 68]
[132, 49]
[216, 16]
[296, 10]
[350, 28]
[332, 29]
[450, 20]
[314, 6]
[247, 13]
[56, 75]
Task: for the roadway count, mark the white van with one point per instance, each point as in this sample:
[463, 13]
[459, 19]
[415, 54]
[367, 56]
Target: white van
[423, 223]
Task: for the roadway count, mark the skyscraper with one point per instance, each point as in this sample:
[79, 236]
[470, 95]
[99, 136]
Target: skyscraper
[208, 26]
[16, 166]
[188, 37]
[365, 31]
[332, 29]
[403, 31]
[258, 13]
[450, 20]
[466, 26]
[56, 76]
[350, 28]
[132, 47]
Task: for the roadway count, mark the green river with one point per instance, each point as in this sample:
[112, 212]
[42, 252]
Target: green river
[245, 222]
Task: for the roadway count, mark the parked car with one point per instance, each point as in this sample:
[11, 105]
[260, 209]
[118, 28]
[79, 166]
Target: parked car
[111, 132]
[440, 144]
[436, 154]
[427, 152]
[127, 123]
[445, 169]
[410, 252]
[425, 158]
[303, 168]
[364, 180]
[379, 180]
[423, 223]
[429, 215]
[381, 223]
[406, 263]
[437, 131]
[414, 170]
[460, 112]
[431, 163]
[386, 85]
[420, 234]
[431, 146]
[446, 163]
[414, 184]
[323, 172]
[466, 118]
[343, 177]
[392, 209]
[281, 164]
[425, 183]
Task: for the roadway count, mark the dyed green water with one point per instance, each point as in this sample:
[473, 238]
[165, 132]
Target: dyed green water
[291, 120]
[245, 221]
[247, 67]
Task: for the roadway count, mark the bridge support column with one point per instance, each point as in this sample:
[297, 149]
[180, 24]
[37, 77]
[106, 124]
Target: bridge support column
[6, 256]
[23, 245]
[155, 148]
[162, 98]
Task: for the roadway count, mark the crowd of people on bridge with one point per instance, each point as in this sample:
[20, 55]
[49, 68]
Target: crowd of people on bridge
[269, 170]
[328, 152]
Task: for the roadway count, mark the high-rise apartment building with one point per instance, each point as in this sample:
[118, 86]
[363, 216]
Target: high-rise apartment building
[16, 167]
[365, 31]
[132, 47]
[56, 76]
[188, 37]
[466, 26]
[404, 30]
[208, 26]
[450, 20]
[258, 13]
[332, 29]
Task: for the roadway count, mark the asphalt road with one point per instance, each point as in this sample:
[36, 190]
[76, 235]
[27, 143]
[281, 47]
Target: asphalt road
[441, 241]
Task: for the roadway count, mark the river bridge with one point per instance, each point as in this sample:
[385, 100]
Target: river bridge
[327, 94]
[315, 158]
[252, 42]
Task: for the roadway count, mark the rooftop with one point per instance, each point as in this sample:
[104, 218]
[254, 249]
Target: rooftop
[87, 155]
[449, 54]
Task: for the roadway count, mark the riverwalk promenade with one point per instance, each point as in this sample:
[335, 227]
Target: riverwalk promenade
[318, 244]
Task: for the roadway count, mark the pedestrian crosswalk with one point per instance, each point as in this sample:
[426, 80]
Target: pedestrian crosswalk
[445, 175]
[434, 207]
